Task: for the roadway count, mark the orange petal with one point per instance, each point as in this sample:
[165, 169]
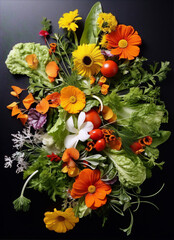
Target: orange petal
[113, 118]
[52, 69]
[73, 172]
[32, 61]
[116, 144]
[23, 118]
[53, 99]
[18, 90]
[14, 94]
[43, 106]
[89, 200]
[28, 101]
[52, 79]
[12, 105]
[69, 154]
[107, 113]
[15, 110]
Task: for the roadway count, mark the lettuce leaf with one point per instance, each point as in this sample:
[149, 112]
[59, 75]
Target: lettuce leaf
[17, 64]
[131, 172]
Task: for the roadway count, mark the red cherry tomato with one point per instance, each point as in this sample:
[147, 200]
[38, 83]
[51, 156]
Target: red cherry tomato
[100, 145]
[136, 146]
[93, 117]
[109, 68]
[96, 134]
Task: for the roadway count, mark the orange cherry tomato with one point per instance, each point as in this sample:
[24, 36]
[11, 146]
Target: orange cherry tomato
[93, 117]
[109, 68]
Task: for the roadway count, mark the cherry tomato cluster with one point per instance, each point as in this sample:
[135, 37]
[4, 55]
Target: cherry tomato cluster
[97, 135]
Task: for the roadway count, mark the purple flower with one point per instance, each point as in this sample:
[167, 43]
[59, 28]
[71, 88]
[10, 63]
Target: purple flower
[36, 119]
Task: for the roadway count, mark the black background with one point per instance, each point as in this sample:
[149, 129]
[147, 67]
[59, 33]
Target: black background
[20, 22]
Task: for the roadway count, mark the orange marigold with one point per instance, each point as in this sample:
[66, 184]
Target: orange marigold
[124, 42]
[72, 99]
[88, 183]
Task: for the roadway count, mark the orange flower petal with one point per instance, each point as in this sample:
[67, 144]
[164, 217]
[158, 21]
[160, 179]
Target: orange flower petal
[23, 118]
[52, 79]
[18, 90]
[43, 106]
[14, 94]
[116, 144]
[89, 200]
[73, 172]
[52, 69]
[113, 118]
[53, 99]
[15, 111]
[28, 101]
[12, 105]
[107, 113]
[32, 61]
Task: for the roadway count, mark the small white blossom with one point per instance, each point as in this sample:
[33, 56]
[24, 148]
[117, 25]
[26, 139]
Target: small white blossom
[80, 134]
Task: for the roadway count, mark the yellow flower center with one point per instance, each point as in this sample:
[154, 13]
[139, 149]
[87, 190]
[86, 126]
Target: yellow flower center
[91, 189]
[73, 99]
[61, 219]
[87, 61]
[122, 43]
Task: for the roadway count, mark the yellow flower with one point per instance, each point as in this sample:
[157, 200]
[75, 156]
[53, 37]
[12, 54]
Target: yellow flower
[88, 59]
[32, 61]
[68, 20]
[104, 89]
[107, 22]
[103, 41]
[72, 99]
[92, 80]
[59, 221]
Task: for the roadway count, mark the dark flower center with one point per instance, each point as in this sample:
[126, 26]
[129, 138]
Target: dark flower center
[61, 219]
[87, 60]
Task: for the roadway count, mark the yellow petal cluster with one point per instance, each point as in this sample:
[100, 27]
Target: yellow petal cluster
[107, 22]
[68, 20]
[59, 221]
[88, 59]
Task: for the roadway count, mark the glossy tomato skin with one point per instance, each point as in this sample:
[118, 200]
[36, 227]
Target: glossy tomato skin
[100, 145]
[93, 117]
[109, 68]
[96, 134]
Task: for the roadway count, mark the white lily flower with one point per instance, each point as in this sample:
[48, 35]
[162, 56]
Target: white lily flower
[80, 134]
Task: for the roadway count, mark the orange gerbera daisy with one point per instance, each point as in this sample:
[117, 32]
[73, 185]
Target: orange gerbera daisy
[124, 42]
[72, 99]
[88, 183]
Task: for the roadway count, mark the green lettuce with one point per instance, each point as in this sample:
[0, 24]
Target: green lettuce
[131, 172]
[17, 64]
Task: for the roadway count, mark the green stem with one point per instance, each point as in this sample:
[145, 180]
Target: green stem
[75, 38]
[26, 182]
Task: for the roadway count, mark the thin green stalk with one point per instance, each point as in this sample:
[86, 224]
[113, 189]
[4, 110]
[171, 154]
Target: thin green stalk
[28, 179]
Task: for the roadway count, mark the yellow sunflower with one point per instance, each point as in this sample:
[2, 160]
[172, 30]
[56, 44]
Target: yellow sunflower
[88, 59]
[68, 20]
[59, 221]
[72, 99]
[107, 22]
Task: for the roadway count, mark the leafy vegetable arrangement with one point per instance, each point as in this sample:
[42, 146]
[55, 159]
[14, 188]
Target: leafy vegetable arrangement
[91, 118]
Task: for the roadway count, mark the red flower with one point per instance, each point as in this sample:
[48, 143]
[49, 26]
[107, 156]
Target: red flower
[54, 157]
[43, 33]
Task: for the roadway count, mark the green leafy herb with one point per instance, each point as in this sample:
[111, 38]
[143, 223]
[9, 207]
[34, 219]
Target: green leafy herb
[46, 24]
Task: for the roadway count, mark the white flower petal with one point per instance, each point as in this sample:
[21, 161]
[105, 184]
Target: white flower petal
[71, 141]
[70, 125]
[83, 135]
[87, 126]
[81, 119]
